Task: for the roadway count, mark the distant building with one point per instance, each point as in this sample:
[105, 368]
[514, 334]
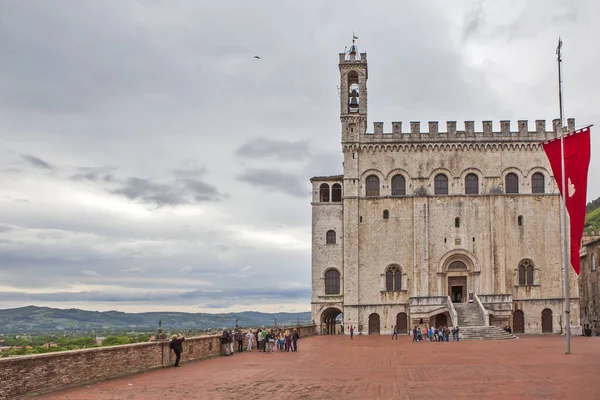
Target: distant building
[99, 340]
[589, 287]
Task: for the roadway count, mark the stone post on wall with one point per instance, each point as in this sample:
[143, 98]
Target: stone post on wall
[166, 349]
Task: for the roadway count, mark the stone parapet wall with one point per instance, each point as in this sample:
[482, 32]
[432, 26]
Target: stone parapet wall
[25, 376]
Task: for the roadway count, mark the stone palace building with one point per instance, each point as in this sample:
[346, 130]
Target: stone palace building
[423, 224]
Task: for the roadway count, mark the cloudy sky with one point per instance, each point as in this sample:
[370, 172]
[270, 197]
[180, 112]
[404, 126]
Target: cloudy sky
[149, 162]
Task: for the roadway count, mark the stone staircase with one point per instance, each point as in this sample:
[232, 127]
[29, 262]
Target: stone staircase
[484, 333]
[469, 314]
[472, 324]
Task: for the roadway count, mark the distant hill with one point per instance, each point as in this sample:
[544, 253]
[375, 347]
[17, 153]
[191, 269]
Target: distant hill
[592, 218]
[45, 320]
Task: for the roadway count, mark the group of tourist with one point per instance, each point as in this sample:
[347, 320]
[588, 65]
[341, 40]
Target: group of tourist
[439, 334]
[264, 339]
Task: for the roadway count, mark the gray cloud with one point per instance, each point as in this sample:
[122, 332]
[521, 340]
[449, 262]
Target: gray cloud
[276, 181]
[279, 149]
[178, 193]
[37, 162]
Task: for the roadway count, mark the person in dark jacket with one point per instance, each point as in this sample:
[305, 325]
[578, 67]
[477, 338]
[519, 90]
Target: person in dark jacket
[177, 347]
[239, 338]
[295, 338]
[225, 342]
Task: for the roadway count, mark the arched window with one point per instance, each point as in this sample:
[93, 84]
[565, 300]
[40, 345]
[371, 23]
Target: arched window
[332, 282]
[398, 185]
[353, 92]
[393, 279]
[521, 275]
[336, 193]
[537, 183]
[372, 185]
[471, 184]
[457, 222]
[330, 237]
[526, 272]
[324, 193]
[441, 184]
[386, 214]
[511, 183]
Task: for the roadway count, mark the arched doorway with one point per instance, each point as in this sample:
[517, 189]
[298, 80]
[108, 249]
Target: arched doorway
[518, 322]
[329, 321]
[457, 281]
[402, 323]
[547, 321]
[441, 319]
[374, 325]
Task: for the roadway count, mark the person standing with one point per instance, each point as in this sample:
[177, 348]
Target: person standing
[415, 337]
[295, 337]
[177, 347]
[240, 340]
[225, 342]
[457, 334]
[395, 333]
[263, 335]
[288, 340]
[231, 339]
[250, 338]
[351, 332]
[258, 339]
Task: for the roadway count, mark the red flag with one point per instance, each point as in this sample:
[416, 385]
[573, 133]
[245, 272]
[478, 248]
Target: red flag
[577, 161]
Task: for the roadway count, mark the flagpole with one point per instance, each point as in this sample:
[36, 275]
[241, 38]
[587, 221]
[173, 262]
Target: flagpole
[567, 310]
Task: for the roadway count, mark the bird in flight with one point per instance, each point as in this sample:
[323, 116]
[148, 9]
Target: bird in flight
[257, 57]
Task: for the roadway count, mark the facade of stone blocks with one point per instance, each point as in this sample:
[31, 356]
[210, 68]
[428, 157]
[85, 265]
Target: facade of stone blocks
[421, 220]
[589, 287]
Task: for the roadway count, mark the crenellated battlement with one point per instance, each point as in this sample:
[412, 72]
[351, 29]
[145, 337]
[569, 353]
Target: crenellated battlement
[470, 132]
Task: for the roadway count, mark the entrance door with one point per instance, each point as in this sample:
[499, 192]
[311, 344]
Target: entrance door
[518, 322]
[457, 288]
[402, 323]
[547, 321]
[457, 294]
[374, 324]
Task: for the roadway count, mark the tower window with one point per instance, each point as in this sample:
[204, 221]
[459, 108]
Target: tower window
[393, 279]
[398, 185]
[520, 220]
[537, 183]
[336, 193]
[330, 237]
[512, 183]
[372, 184]
[457, 222]
[526, 272]
[332, 282]
[441, 184]
[324, 193]
[353, 92]
[471, 184]
[386, 214]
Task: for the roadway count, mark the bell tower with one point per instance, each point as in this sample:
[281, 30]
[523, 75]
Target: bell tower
[353, 93]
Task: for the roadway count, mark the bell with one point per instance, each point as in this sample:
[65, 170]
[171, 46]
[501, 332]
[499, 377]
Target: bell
[353, 102]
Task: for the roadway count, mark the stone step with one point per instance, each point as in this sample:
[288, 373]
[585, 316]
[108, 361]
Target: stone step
[484, 333]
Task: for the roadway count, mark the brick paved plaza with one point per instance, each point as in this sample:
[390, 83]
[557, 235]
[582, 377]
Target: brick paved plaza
[375, 367]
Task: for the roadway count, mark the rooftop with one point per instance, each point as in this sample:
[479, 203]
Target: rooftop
[327, 178]
[374, 367]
